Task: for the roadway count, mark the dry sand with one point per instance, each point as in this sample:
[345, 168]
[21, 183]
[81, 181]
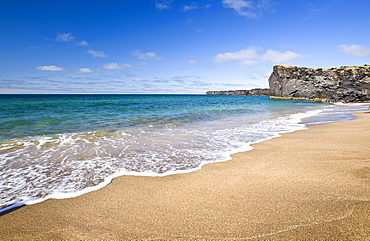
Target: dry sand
[306, 185]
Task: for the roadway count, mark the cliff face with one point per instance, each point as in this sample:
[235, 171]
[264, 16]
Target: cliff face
[241, 92]
[345, 84]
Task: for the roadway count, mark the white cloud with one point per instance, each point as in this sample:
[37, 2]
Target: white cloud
[94, 53]
[163, 4]
[147, 55]
[248, 8]
[279, 57]
[111, 66]
[64, 37]
[193, 61]
[126, 65]
[247, 62]
[84, 71]
[190, 7]
[251, 56]
[115, 66]
[49, 68]
[83, 43]
[355, 50]
[244, 54]
[237, 5]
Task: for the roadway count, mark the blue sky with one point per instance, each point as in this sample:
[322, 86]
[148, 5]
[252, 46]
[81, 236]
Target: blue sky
[172, 46]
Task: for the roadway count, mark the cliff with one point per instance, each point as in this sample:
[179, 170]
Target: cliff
[265, 92]
[345, 84]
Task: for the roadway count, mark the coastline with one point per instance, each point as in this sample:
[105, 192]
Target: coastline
[308, 184]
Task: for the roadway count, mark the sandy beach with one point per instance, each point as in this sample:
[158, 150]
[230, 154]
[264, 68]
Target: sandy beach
[307, 185]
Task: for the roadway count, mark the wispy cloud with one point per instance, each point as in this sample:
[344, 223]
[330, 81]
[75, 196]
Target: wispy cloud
[248, 8]
[83, 43]
[147, 55]
[84, 71]
[163, 4]
[252, 56]
[186, 79]
[279, 57]
[313, 8]
[99, 54]
[242, 55]
[64, 37]
[355, 50]
[49, 68]
[190, 7]
[193, 61]
[116, 66]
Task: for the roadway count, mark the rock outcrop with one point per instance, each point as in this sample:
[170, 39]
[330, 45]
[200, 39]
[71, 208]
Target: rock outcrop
[257, 92]
[344, 84]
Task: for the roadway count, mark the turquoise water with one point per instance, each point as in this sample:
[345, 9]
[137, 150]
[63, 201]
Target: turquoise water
[59, 146]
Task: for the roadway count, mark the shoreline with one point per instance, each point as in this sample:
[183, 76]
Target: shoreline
[224, 156]
[306, 184]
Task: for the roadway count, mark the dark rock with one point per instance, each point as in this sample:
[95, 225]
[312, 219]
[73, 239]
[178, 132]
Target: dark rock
[256, 92]
[345, 84]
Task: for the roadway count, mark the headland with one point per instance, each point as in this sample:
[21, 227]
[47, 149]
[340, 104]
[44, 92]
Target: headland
[344, 84]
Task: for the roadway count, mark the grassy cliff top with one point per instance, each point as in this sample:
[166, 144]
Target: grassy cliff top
[342, 67]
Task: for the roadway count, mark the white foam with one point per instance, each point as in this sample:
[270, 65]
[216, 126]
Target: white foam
[61, 167]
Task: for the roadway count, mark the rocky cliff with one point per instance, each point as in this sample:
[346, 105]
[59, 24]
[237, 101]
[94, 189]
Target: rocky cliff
[241, 92]
[344, 84]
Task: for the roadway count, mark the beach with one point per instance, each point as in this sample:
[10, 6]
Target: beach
[310, 184]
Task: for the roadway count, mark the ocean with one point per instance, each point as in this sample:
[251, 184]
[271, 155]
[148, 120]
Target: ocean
[61, 146]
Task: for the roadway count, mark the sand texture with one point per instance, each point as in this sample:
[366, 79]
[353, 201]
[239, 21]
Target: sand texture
[307, 185]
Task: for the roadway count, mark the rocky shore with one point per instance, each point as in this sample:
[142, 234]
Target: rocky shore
[344, 84]
[257, 92]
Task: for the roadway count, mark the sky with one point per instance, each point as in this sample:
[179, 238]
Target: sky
[172, 46]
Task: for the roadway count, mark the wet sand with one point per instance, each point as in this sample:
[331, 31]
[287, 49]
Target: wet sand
[307, 185]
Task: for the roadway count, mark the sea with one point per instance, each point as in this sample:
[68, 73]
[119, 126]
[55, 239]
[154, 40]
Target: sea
[62, 146]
